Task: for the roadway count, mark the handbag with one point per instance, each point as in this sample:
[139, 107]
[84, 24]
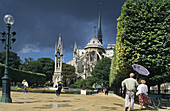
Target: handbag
[137, 93]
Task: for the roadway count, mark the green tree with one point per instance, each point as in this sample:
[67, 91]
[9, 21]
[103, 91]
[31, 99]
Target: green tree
[69, 75]
[24, 65]
[142, 38]
[14, 59]
[101, 71]
[31, 65]
[82, 84]
[113, 70]
[34, 66]
[47, 67]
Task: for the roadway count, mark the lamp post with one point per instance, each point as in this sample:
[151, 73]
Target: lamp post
[7, 39]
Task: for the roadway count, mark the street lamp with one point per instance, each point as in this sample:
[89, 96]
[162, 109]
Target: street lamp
[7, 39]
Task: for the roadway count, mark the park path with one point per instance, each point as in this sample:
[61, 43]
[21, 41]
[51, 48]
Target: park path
[65, 102]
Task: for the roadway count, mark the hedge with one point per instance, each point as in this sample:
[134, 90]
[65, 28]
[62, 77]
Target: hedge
[18, 75]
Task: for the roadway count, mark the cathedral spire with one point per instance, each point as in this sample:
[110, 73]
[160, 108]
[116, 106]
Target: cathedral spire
[55, 48]
[99, 32]
[61, 50]
[95, 31]
[59, 42]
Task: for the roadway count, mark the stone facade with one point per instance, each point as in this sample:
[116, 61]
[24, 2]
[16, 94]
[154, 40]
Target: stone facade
[84, 60]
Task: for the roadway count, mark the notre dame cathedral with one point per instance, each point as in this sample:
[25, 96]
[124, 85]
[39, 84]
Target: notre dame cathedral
[84, 60]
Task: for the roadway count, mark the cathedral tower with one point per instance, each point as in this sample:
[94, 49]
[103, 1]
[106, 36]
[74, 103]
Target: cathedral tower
[84, 60]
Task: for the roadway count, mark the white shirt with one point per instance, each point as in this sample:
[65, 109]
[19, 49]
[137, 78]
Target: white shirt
[142, 88]
[25, 83]
[130, 84]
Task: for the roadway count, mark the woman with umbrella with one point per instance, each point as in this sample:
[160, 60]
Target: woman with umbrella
[142, 88]
[59, 87]
[143, 95]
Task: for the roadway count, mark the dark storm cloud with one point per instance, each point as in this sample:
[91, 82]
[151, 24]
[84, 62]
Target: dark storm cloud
[39, 22]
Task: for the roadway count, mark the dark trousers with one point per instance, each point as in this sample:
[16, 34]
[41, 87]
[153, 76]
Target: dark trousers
[106, 92]
[58, 92]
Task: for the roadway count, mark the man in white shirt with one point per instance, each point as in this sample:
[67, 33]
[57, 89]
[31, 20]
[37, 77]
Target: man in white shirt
[130, 84]
[25, 83]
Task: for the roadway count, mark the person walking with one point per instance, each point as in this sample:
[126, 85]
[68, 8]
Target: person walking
[106, 90]
[131, 84]
[59, 87]
[25, 83]
[143, 94]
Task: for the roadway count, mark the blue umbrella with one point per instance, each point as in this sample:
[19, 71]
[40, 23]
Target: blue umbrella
[98, 86]
[140, 69]
[61, 81]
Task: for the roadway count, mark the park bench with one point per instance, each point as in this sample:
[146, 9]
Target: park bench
[164, 99]
[159, 100]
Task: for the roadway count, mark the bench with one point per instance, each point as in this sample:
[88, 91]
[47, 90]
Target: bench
[154, 99]
[158, 100]
[164, 99]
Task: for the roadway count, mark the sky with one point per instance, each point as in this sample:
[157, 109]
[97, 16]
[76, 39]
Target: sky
[39, 22]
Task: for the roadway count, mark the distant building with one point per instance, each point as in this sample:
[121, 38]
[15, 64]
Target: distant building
[84, 60]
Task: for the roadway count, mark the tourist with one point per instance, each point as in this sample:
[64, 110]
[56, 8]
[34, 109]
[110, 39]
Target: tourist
[25, 83]
[103, 89]
[106, 90]
[59, 87]
[142, 94]
[131, 85]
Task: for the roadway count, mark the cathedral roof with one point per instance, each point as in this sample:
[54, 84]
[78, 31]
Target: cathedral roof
[94, 43]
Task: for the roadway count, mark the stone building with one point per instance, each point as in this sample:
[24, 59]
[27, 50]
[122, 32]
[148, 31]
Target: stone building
[84, 60]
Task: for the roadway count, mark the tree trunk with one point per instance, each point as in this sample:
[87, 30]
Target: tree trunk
[159, 88]
[148, 89]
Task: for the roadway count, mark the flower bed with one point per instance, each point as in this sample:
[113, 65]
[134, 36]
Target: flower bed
[45, 90]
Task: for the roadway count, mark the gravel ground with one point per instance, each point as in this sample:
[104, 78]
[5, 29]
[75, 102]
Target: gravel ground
[66, 102]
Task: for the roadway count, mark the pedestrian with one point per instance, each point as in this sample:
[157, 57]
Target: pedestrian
[106, 90]
[97, 90]
[143, 94]
[131, 85]
[103, 89]
[25, 83]
[59, 87]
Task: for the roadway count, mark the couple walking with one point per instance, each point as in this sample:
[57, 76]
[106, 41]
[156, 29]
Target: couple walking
[131, 84]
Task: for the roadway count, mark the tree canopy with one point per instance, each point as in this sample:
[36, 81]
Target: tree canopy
[69, 75]
[47, 67]
[14, 59]
[42, 65]
[101, 71]
[143, 38]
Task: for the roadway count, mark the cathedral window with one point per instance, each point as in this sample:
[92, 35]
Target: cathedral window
[92, 56]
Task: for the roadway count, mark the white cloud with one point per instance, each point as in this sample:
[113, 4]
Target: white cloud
[29, 48]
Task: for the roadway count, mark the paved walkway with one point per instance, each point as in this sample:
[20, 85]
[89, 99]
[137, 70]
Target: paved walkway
[65, 102]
